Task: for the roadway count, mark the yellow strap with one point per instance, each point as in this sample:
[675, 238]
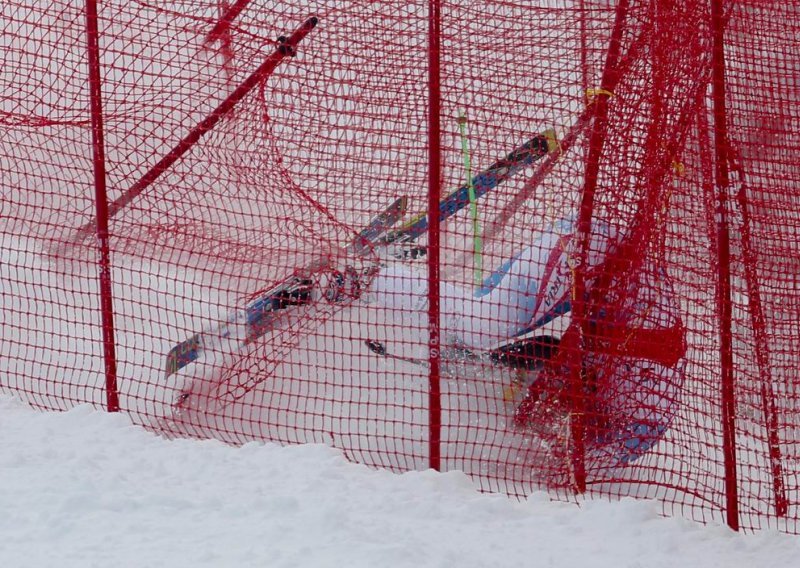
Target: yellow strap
[552, 140]
[593, 93]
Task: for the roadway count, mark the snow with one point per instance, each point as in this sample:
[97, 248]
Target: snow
[84, 488]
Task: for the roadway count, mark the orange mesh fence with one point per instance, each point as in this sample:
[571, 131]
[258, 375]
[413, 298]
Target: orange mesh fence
[214, 220]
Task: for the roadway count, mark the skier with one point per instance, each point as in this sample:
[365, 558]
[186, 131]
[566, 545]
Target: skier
[632, 367]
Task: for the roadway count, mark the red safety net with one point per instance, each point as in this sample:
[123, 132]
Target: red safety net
[610, 303]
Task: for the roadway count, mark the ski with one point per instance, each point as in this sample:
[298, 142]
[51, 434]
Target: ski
[379, 348]
[528, 354]
[521, 157]
[525, 357]
[243, 326]
[258, 317]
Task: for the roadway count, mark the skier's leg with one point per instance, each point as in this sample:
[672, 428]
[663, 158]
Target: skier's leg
[402, 289]
[477, 322]
[509, 306]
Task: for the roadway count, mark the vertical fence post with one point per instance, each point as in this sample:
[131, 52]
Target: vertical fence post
[101, 206]
[763, 358]
[434, 196]
[596, 143]
[722, 180]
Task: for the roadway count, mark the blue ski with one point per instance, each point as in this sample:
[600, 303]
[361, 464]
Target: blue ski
[485, 181]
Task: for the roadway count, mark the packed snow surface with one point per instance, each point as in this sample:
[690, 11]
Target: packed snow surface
[84, 488]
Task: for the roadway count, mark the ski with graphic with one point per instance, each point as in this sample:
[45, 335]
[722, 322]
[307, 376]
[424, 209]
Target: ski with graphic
[482, 183]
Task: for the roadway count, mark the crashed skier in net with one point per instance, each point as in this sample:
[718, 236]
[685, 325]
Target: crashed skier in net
[632, 368]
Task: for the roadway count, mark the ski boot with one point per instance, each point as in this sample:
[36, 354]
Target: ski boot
[296, 292]
[346, 286]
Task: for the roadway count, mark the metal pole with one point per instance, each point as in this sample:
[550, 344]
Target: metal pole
[596, 143]
[762, 354]
[101, 206]
[434, 196]
[722, 180]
